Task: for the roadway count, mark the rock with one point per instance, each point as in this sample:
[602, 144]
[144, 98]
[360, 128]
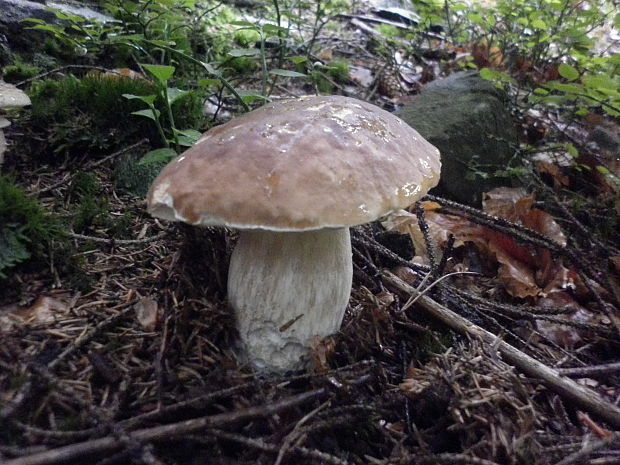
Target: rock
[606, 138]
[467, 119]
[14, 12]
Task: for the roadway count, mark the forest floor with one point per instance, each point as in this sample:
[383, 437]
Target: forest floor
[120, 348]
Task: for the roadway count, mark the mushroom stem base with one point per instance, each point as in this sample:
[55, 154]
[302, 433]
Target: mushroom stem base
[288, 290]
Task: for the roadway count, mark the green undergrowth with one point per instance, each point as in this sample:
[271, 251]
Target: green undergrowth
[90, 116]
[25, 227]
[135, 178]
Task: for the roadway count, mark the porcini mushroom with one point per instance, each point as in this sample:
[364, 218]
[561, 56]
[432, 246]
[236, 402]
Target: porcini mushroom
[292, 177]
[10, 97]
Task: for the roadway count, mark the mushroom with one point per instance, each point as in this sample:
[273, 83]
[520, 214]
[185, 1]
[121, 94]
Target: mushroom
[292, 177]
[10, 97]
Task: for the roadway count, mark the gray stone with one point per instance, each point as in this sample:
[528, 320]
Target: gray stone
[467, 119]
[14, 12]
[606, 139]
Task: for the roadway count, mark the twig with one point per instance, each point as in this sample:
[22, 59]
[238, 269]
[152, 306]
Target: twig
[313, 454]
[579, 456]
[294, 435]
[56, 70]
[109, 444]
[452, 459]
[88, 335]
[594, 370]
[585, 398]
[66, 179]
[104, 240]
[129, 148]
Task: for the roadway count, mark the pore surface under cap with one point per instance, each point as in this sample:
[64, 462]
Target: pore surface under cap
[302, 164]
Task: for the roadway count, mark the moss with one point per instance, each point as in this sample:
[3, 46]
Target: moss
[133, 178]
[90, 207]
[244, 65]
[61, 110]
[339, 70]
[246, 37]
[19, 71]
[25, 228]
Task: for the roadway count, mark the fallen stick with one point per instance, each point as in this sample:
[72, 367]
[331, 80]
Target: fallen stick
[109, 444]
[583, 397]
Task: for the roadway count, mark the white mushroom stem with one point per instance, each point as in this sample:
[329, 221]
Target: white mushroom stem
[2, 146]
[289, 289]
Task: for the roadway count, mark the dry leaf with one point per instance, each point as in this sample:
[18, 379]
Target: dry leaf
[147, 313]
[322, 350]
[440, 227]
[517, 277]
[565, 336]
[44, 310]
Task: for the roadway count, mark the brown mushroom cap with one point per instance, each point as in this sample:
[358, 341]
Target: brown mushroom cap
[11, 96]
[302, 164]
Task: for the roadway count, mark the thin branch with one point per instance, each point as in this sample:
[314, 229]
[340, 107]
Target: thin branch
[583, 397]
[110, 444]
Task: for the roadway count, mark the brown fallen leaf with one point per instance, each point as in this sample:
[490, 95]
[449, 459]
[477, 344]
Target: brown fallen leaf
[148, 313]
[565, 336]
[45, 309]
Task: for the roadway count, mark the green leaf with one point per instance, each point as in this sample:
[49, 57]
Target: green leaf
[539, 24]
[210, 69]
[161, 73]
[161, 43]
[244, 52]
[151, 113]
[568, 72]
[249, 97]
[572, 150]
[247, 24]
[45, 27]
[568, 88]
[297, 60]
[148, 99]
[476, 18]
[187, 137]
[603, 170]
[287, 73]
[601, 81]
[158, 156]
[208, 83]
[33, 20]
[175, 94]
[273, 29]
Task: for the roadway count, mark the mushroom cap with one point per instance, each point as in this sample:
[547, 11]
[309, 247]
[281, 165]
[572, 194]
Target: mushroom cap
[4, 123]
[11, 96]
[300, 164]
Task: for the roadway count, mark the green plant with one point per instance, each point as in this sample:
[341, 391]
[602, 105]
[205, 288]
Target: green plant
[135, 177]
[264, 32]
[168, 95]
[544, 46]
[82, 36]
[25, 228]
[584, 90]
[19, 71]
[62, 109]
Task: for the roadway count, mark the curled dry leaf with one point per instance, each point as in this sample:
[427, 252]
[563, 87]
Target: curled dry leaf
[440, 227]
[322, 350]
[44, 310]
[565, 336]
[147, 313]
[515, 205]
